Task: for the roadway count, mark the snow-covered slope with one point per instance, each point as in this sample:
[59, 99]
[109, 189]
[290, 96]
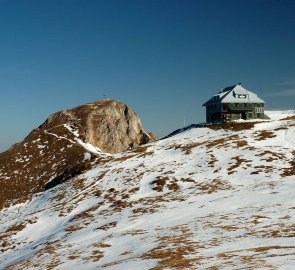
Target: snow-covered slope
[202, 199]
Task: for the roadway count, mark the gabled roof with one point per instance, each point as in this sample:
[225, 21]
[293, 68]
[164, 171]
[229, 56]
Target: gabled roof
[234, 94]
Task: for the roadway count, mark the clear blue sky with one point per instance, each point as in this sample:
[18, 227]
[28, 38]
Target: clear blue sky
[164, 58]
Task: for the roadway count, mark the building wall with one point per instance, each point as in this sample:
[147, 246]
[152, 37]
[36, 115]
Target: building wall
[213, 113]
[233, 111]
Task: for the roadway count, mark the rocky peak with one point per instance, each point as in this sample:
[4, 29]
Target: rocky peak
[108, 125]
[65, 143]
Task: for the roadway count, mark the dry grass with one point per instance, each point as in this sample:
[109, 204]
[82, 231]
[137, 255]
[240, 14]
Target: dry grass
[107, 226]
[239, 162]
[25, 162]
[124, 158]
[280, 128]
[145, 154]
[271, 156]
[186, 148]
[289, 118]
[233, 126]
[159, 183]
[217, 143]
[74, 228]
[102, 175]
[15, 228]
[165, 181]
[241, 143]
[213, 186]
[98, 252]
[291, 170]
[173, 251]
[264, 134]
[212, 161]
[190, 180]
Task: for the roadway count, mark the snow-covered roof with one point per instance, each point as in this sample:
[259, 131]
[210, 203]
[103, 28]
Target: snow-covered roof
[234, 94]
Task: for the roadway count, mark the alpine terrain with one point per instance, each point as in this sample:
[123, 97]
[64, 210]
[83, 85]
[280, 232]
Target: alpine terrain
[90, 189]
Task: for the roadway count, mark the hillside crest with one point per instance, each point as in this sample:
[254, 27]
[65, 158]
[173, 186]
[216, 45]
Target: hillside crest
[64, 145]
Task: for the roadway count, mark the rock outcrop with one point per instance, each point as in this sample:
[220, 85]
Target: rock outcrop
[67, 142]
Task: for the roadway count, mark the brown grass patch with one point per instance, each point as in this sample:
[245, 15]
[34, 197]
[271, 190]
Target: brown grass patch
[124, 158]
[159, 183]
[238, 163]
[267, 248]
[241, 143]
[187, 180]
[186, 148]
[289, 118]
[173, 251]
[15, 228]
[280, 128]
[162, 181]
[213, 186]
[216, 143]
[230, 228]
[212, 161]
[102, 175]
[107, 226]
[74, 228]
[141, 149]
[145, 154]
[235, 126]
[98, 253]
[291, 170]
[264, 134]
[271, 156]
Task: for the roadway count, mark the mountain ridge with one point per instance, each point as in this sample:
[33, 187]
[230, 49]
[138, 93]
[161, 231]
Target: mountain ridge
[65, 143]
